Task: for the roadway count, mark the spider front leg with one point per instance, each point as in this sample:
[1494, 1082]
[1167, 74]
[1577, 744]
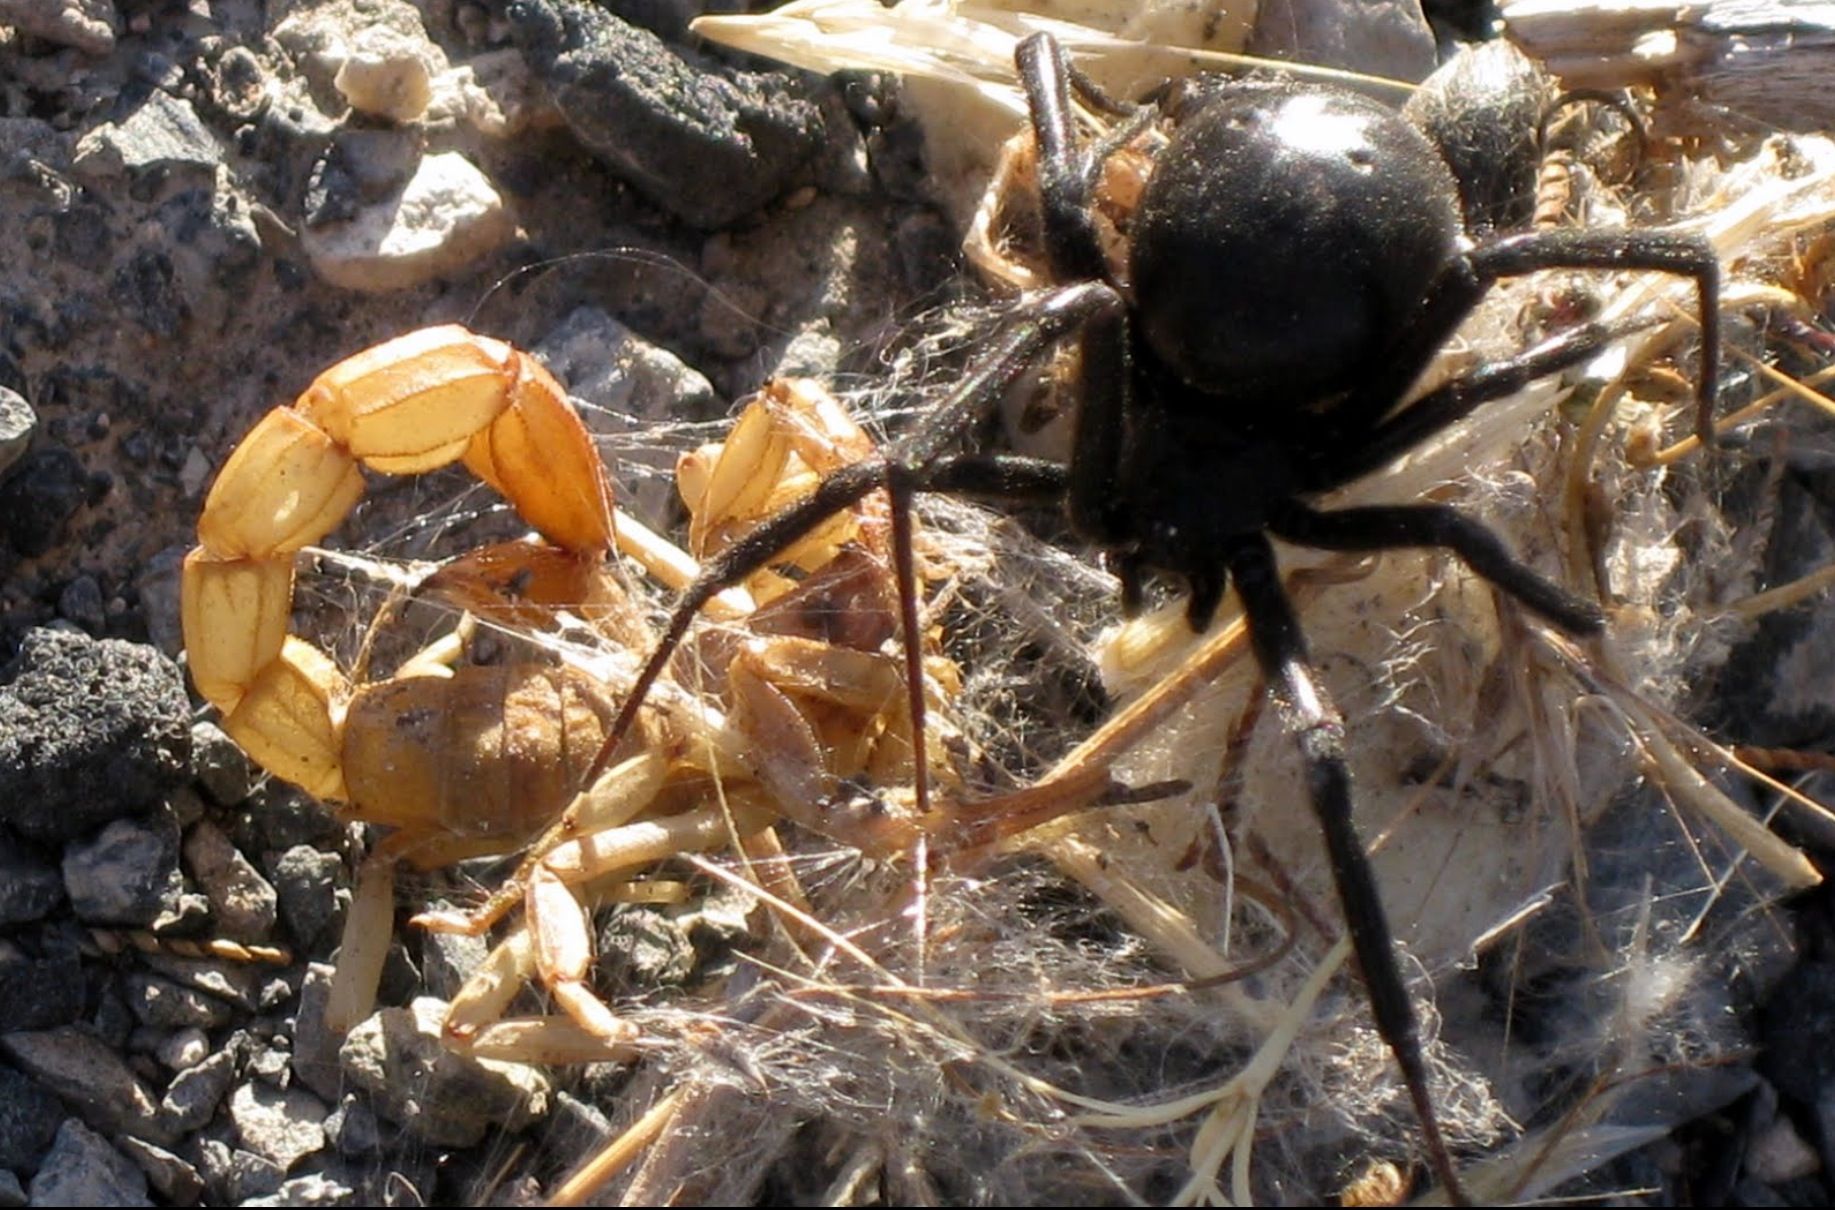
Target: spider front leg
[1460, 288]
[1437, 525]
[1306, 711]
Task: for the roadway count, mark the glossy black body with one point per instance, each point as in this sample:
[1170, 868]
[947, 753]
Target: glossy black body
[1286, 236]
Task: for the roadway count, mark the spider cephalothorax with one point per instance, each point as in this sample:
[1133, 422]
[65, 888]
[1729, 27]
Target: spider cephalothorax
[1296, 259]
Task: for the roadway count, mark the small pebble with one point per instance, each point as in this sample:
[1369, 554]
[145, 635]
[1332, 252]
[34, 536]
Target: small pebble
[441, 1097]
[193, 1095]
[244, 902]
[184, 1048]
[127, 875]
[283, 1127]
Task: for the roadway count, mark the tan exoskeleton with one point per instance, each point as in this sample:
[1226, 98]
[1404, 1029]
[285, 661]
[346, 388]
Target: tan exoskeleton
[467, 760]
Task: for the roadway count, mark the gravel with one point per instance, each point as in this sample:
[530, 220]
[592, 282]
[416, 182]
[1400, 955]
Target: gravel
[201, 207]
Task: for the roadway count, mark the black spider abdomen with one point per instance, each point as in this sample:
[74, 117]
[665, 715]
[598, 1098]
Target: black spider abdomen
[1286, 236]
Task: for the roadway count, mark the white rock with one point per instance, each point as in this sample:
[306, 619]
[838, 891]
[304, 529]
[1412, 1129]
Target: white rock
[495, 94]
[184, 1048]
[387, 74]
[445, 217]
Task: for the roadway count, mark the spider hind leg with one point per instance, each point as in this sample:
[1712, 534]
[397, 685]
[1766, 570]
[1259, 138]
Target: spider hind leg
[1307, 712]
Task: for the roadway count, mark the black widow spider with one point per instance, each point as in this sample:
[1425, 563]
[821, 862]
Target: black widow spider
[1296, 260]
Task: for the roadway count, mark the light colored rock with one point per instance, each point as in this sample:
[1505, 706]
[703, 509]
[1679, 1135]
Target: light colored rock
[192, 476]
[387, 74]
[127, 874]
[244, 902]
[17, 422]
[495, 94]
[283, 1127]
[184, 1048]
[443, 1098]
[88, 25]
[321, 38]
[445, 217]
[1382, 37]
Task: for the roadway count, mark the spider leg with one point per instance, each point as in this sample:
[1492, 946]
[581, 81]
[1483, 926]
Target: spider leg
[1660, 251]
[1308, 714]
[1455, 400]
[1382, 527]
[1067, 183]
[999, 477]
[1065, 179]
[1470, 277]
[903, 470]
[835, 492]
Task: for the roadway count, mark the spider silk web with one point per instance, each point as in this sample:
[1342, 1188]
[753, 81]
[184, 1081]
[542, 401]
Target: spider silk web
[1573, 930]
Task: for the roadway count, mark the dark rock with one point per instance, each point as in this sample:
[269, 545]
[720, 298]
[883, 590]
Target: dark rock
[82, 1169]
[448, 960]
[575, 1128]
[233, 1177]
[641, 947]
[168, 1005]
[41, 982]
[152, 298]
[90, 731]
[158, 586]
[236, 982]
[28, 1121]
[187, 916]
[353, 1129]
[90, 1079]
[44, 491]
[162, 133]
[306, 883]
[1383, 37]
[315, 1048]
[441, 1097]
[282, 816]
[111, 1022]
[272, 1063]
[128, 875]
[220, 766]
[1800, 1013]
[30, 886]
[238, 84]
[81, 233]
[708, 148]
[81, 603]
[361, 166]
